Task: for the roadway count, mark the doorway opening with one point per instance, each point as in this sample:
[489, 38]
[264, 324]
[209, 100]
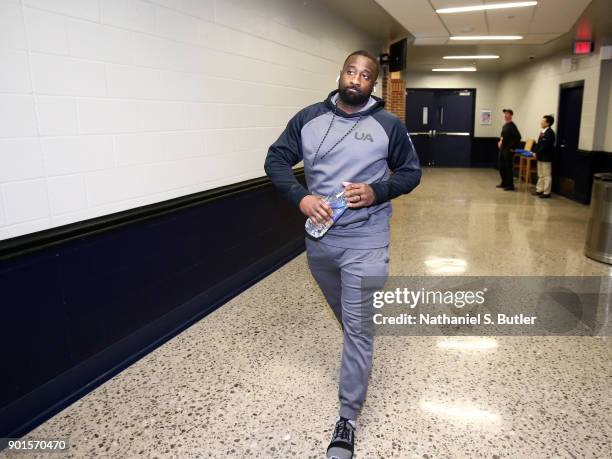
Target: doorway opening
[568, 135]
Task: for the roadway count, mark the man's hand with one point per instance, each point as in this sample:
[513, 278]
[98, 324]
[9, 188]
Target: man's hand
[359, 195]
[315, 208]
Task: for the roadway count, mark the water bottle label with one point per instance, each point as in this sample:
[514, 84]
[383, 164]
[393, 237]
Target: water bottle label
[338, 205]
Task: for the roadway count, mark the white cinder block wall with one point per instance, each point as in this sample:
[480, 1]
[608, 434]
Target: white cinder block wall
[107, 105]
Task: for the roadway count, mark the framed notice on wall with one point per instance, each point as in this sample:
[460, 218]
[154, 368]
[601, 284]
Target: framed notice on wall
[485, 116]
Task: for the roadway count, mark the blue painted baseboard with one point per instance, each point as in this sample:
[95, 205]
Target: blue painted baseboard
[83, 302]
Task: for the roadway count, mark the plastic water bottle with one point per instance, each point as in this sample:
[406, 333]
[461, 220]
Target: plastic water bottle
[338, 205]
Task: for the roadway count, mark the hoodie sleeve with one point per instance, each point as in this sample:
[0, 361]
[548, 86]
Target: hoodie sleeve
[282, 155]
[404, 164]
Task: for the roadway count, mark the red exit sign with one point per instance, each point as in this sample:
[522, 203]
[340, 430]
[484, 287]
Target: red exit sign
[583, 47]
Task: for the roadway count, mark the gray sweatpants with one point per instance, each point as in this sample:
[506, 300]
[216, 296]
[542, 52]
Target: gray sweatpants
[339, 273]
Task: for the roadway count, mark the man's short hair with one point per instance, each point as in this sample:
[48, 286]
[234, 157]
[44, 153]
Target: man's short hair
[364, 53]
[509, 110]
[549, 119]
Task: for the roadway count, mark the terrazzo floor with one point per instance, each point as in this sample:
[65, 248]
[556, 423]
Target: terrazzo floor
[258, 378]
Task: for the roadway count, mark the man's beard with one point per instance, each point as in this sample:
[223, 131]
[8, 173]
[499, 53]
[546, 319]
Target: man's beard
[351, 98]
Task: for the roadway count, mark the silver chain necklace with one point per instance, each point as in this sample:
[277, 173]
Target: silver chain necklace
[336, 144]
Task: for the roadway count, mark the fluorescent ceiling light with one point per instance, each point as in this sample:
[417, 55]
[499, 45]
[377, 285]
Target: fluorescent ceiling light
[486, 37]
[488, 6]
[482, 56]
[458, 69]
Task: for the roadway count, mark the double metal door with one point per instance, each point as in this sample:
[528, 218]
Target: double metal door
[441, 125]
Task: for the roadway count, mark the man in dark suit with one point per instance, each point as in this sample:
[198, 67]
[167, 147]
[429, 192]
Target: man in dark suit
[509, 141]
[544, 153]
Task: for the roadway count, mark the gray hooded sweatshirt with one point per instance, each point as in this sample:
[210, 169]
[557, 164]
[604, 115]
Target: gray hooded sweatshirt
[378, 143]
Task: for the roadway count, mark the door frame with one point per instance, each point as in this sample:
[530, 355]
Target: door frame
[565, 187]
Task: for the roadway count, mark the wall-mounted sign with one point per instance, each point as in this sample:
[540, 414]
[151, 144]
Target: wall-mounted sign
[583, 47]
[485, 117]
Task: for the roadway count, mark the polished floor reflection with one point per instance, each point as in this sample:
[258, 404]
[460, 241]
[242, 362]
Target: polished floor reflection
[259, 377]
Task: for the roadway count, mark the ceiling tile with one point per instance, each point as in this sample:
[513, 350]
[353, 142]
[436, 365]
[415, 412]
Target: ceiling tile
[513, 21]
[421, 41]
[466, 23]
[437, 4]
[557, 15]
[539, 38]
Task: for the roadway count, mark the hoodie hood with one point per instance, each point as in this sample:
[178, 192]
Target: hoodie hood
[378, 105]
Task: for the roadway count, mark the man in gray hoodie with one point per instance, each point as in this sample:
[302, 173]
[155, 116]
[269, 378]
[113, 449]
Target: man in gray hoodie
[349, 137]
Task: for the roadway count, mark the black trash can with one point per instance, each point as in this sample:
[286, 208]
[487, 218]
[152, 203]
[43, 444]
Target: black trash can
[599, 234]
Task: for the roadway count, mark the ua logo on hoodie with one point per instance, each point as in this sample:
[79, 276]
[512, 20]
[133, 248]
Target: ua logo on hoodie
[363, 136]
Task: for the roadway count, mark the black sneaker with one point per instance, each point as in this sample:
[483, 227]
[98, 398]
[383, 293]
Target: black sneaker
[545, 196]
[342, 441]
[537, 193]
[509, 188]
[501, 185]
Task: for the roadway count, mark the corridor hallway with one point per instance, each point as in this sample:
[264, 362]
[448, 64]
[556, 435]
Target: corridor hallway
[259, 376]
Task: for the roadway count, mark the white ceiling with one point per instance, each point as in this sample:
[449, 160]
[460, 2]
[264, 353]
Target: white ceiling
[366, 15]
[539, 24]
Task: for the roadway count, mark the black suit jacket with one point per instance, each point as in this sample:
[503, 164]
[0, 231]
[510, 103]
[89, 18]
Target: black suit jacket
[545, 147]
